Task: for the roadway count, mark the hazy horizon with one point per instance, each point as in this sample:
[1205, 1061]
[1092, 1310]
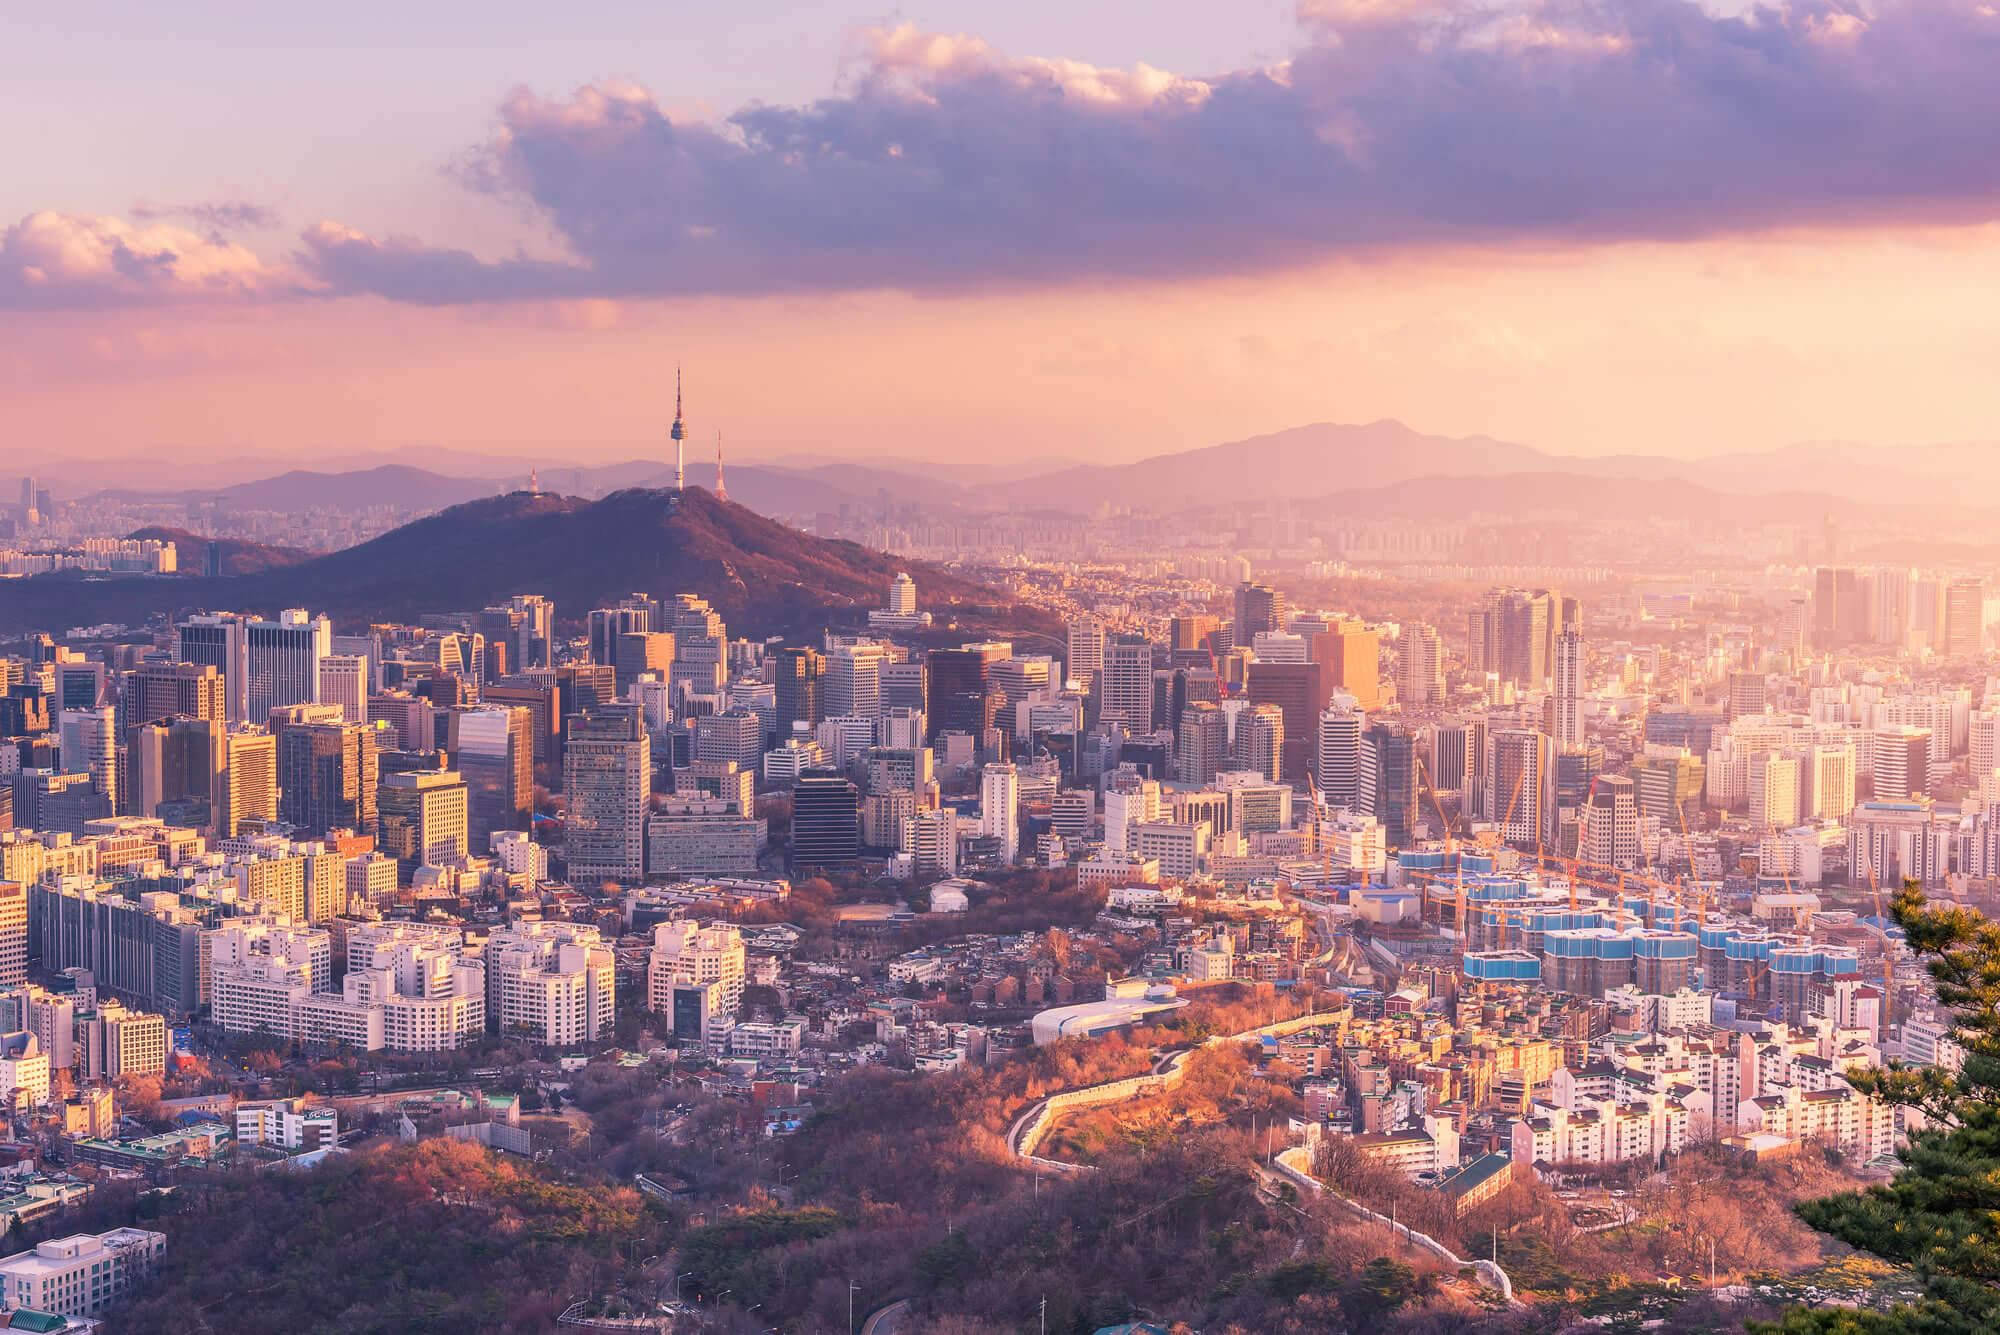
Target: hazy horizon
[1201, 223]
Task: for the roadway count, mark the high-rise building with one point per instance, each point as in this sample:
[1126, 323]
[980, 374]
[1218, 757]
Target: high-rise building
[1193, 636]
[89, 742]
[608, 788]
[1201, 743]
[1338, 767]
[1611, 823]
[1901, 762]
[420, 818]
[327, 775]
[1260, 741]
[1084, 651]
[853, 680]
[1300, 691]
[733, 735]
[1513, 634]
[798, 673]
[1964, 618]
[826, 821]
[1350, 655]
[216, 640]
[1259, 607]
[930, 838]
[1391, 746]
[605, 624]
[1000, 809]
[701, 648]
[246, 780]
[1829, 780]
[553, 983]
[281, 661]
[1125, 685]
[1749, 694]
[170, 690]
[1519, 784]
[173, 760]
[1420, 668]
[1569, 689]
[902, 600]
[694, 976]
[641, 651]
[1773, 780]
[1839, 607]
[343, 682]
[491, 746]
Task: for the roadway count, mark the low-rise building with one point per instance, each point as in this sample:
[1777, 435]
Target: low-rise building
[80, 1275]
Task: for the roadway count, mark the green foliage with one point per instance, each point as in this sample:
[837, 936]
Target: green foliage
[1384, 1285]
[726, 1255]
[1294, 1279]
[1941, 1214]
[948, 1263]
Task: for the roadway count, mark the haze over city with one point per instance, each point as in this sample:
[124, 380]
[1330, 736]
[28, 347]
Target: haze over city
[1159, 667]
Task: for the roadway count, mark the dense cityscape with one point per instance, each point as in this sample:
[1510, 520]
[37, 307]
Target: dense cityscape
[1159, 667]
[1501, 914]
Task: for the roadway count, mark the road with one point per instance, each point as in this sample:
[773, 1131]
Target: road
[887, 1320]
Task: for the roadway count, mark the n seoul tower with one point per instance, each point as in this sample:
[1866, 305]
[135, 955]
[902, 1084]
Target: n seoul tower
[679, 434]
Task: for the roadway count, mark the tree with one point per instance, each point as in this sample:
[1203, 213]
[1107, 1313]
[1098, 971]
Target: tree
[1938, 1215]
[1372, 1297]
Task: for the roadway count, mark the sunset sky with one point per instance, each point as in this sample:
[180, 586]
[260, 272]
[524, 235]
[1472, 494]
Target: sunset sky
[1099, 229]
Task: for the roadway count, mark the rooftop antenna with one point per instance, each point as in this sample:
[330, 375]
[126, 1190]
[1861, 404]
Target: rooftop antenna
[679, 435]
[721, 492]
[534, 481]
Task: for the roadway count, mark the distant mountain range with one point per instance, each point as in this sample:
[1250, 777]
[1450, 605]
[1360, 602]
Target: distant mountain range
[764, 578]
[1321, 460]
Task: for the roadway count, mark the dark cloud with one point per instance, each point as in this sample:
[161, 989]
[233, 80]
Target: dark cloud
[947, 165]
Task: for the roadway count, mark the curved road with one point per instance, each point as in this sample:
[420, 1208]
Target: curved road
[887, 1320]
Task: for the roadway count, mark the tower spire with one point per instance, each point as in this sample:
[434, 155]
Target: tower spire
[679, 435]
[721, 492]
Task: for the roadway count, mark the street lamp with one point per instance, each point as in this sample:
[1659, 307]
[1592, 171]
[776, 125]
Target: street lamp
[852, 1289]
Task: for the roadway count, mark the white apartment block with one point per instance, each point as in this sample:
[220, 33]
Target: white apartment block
[80, 1275]
[288, 1124]
[24, 1071]
[552, 982]
[407, 988]
[688, 955]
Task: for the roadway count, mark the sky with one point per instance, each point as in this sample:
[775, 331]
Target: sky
[953, 229]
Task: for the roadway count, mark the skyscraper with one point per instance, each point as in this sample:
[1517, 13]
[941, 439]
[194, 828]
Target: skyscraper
[1350, 654]
[608, 788]
[1611, 825]
[1393, 749]
[1000, 809]
[343, 682]
[1300, 690]
[1260, 741]
[420, 819]
[853, 680]
[1569, 689]
[246, 779]
[1125, 686]
[797, 672]
[216, 640]
[1519, 784]
[169, 690]
[902, 595]
[1201, 743]
[1964, 618]
[1420, 668]
[89, 742]
[826, 821]
[327, 775]
[1084, 656]
[1901, 759]
[1259, 607]
[1337, 764]
[282, 659]
[492, 748]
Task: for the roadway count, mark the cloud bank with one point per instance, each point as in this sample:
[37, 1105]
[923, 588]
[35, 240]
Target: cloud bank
[945, 165]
